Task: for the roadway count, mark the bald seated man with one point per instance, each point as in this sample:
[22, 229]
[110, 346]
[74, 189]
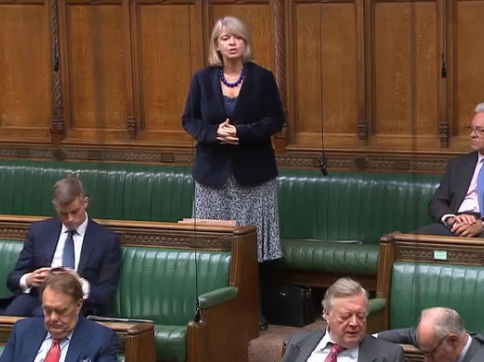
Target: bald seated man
[441, 336]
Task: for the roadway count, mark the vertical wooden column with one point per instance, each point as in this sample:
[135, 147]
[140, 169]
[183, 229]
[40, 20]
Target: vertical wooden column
[280, 65]
[57, 128]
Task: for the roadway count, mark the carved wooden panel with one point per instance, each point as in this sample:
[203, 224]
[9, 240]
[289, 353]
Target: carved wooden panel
[167, 38]
[95, 63]
[323, 73]
[406, 71]
[468, 87]
[25, 71]
[255, 14]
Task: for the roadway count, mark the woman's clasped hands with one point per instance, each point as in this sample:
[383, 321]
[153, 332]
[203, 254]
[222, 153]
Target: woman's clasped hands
[227, 133]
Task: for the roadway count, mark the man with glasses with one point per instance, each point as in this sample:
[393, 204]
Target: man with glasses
[457, 206]
[441, 336]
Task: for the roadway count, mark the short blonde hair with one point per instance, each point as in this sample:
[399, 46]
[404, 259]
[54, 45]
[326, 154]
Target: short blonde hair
[233, 26]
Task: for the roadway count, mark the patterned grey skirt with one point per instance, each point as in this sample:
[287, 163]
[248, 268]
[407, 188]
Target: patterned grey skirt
[255, 205]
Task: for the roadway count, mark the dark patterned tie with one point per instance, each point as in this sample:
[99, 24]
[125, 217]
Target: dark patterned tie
[53, 355]
[68, 260]
[333, 354]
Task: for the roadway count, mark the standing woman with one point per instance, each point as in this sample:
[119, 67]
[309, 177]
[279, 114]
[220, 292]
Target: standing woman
[232, 110]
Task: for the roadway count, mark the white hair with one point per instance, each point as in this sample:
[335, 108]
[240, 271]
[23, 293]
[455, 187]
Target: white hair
[480, 108]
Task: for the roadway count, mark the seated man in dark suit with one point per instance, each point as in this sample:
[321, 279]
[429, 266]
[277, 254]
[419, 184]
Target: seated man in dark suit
[72, 241]
[456, 207]
[345, 307]
[63, 334]
[441, 336]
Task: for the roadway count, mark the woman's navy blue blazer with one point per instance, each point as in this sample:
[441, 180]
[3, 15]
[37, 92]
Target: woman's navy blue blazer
[257, 116]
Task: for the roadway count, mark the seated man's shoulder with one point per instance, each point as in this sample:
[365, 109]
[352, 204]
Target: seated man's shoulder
[380, 344]
[28, 323]
[303, 336]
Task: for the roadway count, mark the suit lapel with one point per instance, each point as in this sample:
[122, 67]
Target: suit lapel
[365, 352]
[52, 239]
[305, 349]
[79, 340]
[87, 246]
[464, 181]
[217, 91]
[35, 338]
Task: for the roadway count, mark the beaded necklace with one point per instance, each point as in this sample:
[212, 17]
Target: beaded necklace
[234, 84]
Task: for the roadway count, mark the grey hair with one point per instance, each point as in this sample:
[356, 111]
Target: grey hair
[480, 108]
[446, 321]
[67, 190]
[233, 26]
[343, 287]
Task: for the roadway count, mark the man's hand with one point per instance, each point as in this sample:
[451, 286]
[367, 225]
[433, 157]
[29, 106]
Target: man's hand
[37, 277]
[467, 225]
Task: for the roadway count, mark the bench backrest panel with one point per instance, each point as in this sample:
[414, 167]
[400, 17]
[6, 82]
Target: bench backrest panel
[159, 284]
[351, 205]
[117, 191]
[416, 286]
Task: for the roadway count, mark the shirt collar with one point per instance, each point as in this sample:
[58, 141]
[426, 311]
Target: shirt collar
[327, 341]
[465, 349]
[81, 229]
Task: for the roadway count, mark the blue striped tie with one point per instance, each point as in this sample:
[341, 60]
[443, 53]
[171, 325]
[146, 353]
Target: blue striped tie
[68, 260]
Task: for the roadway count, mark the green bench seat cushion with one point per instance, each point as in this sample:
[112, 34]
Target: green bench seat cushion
[171, 342]
[330, 257]
[416, 286]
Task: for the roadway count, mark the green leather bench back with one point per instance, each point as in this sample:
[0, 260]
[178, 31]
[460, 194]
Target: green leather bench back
[352, 205]
[9, 252]
[416, 286]
[342, 206]
[156, 284]
[117, 191]
[159, 284]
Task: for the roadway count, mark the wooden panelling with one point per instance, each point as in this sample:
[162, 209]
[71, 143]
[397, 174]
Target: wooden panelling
[323, 57]
[94, 57]
[469, 69]
[255, 14]
[366, 74]
[406, 63]
[25, 72]
[167, 38]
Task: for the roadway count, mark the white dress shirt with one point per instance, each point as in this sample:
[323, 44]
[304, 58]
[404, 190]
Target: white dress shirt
[78, 238]
[324, 347]
[470, 202]
[45, 346]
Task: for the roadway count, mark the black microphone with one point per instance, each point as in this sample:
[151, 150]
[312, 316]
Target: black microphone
[324, 165]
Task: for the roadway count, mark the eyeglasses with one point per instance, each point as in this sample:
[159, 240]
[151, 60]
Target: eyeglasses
[430, 353]
[477, 130]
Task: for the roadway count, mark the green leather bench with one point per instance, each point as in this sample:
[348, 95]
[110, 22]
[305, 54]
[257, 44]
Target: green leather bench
[160, 264]
[330, 226]
[422, 271]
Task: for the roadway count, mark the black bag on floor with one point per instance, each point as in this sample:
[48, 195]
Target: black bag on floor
[288, 305]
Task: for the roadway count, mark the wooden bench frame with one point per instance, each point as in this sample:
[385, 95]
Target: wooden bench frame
[238, 319]
[136, 340]
[398, 246]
